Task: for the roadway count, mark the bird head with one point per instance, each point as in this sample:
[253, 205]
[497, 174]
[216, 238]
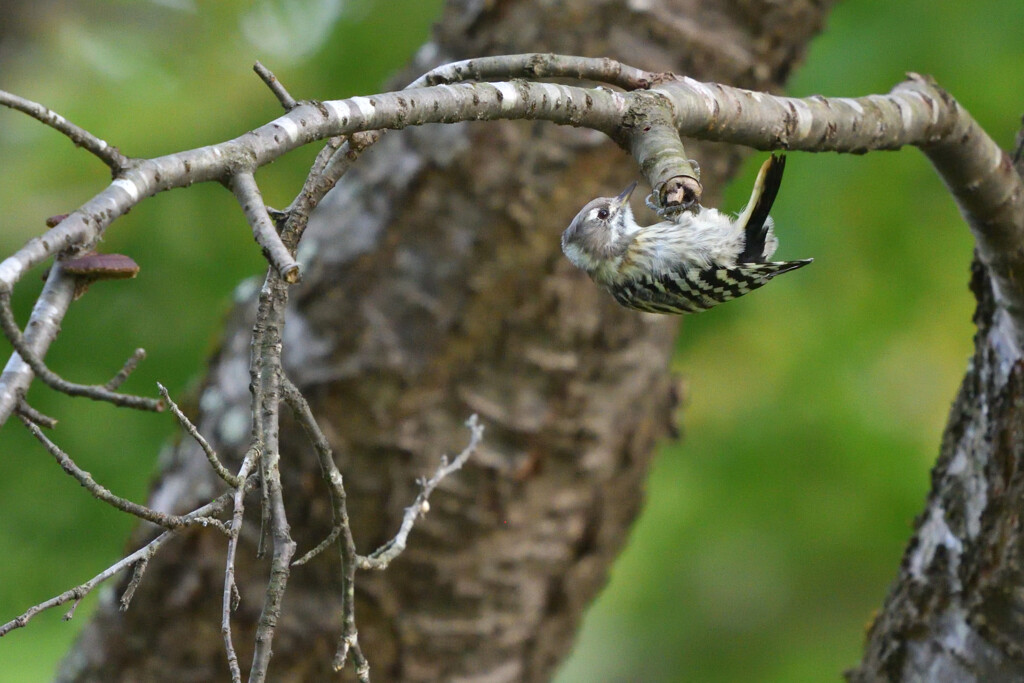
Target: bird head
[600, 233]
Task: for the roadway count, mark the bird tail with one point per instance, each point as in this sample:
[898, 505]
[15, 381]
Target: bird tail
[755, 215]
[766, 271]
[746, 277]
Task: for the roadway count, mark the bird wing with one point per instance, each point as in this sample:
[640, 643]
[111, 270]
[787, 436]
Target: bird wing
[692, 289]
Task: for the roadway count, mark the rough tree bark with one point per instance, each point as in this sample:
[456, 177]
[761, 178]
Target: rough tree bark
[956, 610]
[435, 289]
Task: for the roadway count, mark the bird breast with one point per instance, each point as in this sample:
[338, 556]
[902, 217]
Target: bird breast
[694, 240]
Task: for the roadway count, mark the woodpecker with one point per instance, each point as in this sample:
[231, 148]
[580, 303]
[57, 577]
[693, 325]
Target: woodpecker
[685, 265]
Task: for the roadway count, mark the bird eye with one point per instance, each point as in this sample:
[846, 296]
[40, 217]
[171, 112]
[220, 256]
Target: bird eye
[602, 214]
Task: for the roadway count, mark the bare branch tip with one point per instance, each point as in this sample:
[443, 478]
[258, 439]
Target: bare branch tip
[211, 455]
[70, 614]
[53, 380]
[126, 370]
[292, 274]
[27, 412]
[280, 92]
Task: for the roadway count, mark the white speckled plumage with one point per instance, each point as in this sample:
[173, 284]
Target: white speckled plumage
[685, 265]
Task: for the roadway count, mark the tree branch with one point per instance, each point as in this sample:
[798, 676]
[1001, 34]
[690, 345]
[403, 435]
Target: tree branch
[193, 431]
[382, 557]
[349, 641]
[44, 324]
[97, 392]
[266, 399]
[648, 121]
[914, 113]
[143, 554]
[81, 137]
[537, 65]
[276, 87]
[230, 597]
[26, 411]
[102, 493]
[263, 228]
[126, 370]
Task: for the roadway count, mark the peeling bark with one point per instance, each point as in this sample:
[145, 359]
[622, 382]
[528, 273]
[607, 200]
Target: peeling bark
[955, 610]
[435, 288]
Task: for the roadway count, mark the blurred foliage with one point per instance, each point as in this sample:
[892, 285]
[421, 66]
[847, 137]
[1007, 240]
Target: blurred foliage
[814, 409]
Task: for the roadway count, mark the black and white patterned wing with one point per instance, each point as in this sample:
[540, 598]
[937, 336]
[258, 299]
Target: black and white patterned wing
[691, 290]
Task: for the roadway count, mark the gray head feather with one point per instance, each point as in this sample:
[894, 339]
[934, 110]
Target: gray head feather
[601, 232]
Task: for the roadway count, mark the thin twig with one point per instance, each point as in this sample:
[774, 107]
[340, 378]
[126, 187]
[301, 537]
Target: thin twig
[96, 392]
[349, 641]
[106, 153]
[129, 592]
[280, 92]
[263, 229]
[319, 181]
[323, 177]
[382, 557]
[256, 409]
[320, 547]
[211, 455]
[104, 494]
[29, 413]
[332, 476]
[324, 155]
[126, 370]
[230, 599]
[142, 554]
[325, 173]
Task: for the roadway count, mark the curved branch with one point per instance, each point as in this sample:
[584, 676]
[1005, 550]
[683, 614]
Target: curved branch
[382, 556]
[705, 111]
[990, 195]
[915, 113]
[141, 555]
[542, 65]
[96, 392]
[104, 494]
[980, 175]
[106, 153]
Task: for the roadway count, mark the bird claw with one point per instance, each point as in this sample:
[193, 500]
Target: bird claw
[670, 213]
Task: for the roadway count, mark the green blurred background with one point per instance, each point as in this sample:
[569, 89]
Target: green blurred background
[814, 408]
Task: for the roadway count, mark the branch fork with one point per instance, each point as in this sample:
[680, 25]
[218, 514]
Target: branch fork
[648, 114]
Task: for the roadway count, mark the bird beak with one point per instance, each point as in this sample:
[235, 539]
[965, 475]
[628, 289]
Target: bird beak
[624, 195]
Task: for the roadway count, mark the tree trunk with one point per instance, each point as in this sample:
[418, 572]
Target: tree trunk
[436, 289]
[956, 611]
